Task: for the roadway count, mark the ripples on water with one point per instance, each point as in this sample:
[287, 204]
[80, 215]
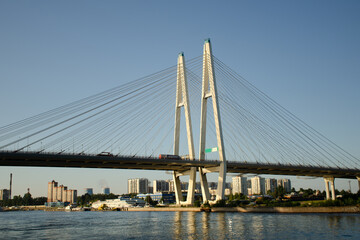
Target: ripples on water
[176, 225]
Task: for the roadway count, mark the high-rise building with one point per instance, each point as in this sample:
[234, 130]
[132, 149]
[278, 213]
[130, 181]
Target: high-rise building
[257, 185]
[249, 183]
[131, 186]
[213, 188]
[286, 184]
[138, 185]
[4, 194]
[89, 191]
[171, 185]
[160, 186]
[106, 190]
[60, 193]
[239, 185]
[71, 196]
[270, 185]
[51, 187]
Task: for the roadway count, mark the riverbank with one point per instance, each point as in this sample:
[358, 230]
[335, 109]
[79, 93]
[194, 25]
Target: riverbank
[346, 209]
[25, 208]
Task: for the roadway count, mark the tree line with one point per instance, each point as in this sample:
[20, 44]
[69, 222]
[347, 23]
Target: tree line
[26, 200]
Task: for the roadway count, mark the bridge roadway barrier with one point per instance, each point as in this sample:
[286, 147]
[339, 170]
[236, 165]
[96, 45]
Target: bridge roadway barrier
[33, 159]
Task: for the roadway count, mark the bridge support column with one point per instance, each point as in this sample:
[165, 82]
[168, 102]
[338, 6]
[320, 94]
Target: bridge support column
[209, 90]
[177, 186]
[332, 183]
[182, 100]
[327, 189]
[191, 188]
[204, 186]
[358, 178]
[333, 194]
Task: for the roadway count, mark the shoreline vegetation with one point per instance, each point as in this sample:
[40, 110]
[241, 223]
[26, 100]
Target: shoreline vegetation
[303, 202]
[248, 209]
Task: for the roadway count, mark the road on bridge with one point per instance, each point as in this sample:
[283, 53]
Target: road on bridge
[31, 159]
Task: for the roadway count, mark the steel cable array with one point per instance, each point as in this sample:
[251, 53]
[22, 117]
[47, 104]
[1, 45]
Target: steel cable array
[261, 130]
[137, 119]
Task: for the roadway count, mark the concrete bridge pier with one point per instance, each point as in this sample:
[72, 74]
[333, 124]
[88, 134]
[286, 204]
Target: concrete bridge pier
[332, 182]
[358, 178]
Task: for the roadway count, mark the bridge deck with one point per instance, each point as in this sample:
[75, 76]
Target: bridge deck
[32, 159]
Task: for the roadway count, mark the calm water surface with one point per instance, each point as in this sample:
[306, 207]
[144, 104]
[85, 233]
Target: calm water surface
[176, 225]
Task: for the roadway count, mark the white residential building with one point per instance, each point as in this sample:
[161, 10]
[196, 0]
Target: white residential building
[270, 185]
[286, 184]
[138, 185]
[160, 186]
[239, 185]
[257, 185]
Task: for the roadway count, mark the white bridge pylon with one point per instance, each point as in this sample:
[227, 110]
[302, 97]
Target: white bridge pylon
[182, 100]
[209, 90]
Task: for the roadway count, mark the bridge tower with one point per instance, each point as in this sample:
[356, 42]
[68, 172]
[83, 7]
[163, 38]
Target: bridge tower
[182, 100]
[209, 90]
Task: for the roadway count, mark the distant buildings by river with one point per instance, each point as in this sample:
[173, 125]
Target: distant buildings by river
[60, 194]
[258, 185]
[4, 194]
[90, 191]
[240, 184]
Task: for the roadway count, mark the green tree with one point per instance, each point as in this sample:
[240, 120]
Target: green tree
[279, 192]
[149, 200]
[27, 199]
[17, 201]
[39, 201]
[308, 192]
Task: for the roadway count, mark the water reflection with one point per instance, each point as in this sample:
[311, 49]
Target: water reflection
[191, 224]
[257, 227]
[225, 225]
[177, 224]
[205, 224]
[222, 229]
[351, 219]
[334, 221]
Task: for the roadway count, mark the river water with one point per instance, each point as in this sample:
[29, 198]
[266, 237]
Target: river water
[176, 225]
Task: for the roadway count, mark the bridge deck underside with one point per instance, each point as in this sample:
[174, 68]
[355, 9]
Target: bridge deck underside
[140, 163]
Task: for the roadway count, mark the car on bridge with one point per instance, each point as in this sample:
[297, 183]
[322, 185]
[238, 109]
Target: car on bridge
[168, 156]
[106, 154]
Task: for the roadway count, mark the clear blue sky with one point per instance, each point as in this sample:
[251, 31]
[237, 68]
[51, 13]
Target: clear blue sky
[304, 54]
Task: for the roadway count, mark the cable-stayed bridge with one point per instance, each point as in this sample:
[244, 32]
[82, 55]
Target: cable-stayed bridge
[236, 128]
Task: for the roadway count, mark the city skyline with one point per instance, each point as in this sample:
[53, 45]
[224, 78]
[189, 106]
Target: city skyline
[279, 181]
[305, 56]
